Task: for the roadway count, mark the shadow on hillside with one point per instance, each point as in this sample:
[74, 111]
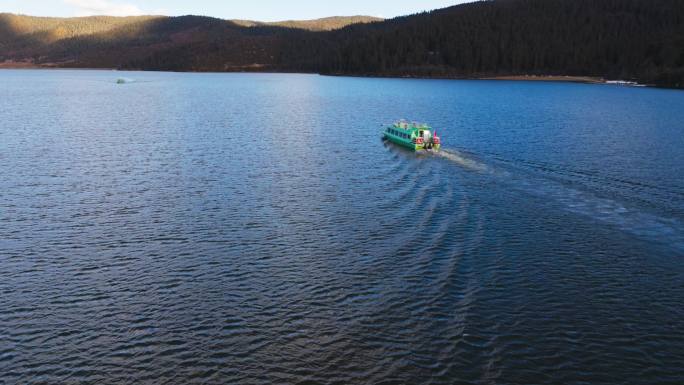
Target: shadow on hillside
[193, 43]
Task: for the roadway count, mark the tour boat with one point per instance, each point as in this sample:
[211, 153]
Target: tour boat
[416, 136]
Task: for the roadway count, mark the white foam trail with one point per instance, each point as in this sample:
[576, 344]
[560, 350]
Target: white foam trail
[462, 160]
[631, 220]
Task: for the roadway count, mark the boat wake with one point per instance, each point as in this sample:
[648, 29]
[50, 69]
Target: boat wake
[579, 193]
[600, 197]
[584, 200]
[462, 160]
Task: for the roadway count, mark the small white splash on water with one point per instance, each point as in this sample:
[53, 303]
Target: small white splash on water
[624, 83]
[124, 81]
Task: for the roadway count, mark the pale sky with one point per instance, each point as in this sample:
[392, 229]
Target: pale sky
[263, 10]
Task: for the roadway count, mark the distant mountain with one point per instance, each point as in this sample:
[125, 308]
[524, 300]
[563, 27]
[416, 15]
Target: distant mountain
[324, 24]
[615, 39]
[122, 42]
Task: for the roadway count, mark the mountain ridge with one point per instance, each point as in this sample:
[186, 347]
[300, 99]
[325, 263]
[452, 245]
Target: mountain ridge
[640, 40]
[28, 24]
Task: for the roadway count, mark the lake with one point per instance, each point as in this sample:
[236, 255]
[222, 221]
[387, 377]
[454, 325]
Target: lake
[255, 229]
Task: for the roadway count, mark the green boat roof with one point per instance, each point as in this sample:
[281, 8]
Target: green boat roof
[404, 125]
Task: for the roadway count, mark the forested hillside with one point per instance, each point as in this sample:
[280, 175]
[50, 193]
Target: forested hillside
[615, 39]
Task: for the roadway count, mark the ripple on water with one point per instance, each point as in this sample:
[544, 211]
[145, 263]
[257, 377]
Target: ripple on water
[143, 241]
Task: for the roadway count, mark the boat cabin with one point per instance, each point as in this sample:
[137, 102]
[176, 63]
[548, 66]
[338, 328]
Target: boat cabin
[418, 136]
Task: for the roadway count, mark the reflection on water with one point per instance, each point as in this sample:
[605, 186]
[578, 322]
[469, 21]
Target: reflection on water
[253, 229]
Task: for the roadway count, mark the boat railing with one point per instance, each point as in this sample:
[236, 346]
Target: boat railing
[406, 125]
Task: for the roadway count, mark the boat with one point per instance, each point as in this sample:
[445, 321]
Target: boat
[416, 136]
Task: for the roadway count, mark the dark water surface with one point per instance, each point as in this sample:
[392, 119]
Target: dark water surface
[254, 229]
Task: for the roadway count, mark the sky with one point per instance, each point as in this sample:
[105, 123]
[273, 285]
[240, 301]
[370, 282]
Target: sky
[262, 10]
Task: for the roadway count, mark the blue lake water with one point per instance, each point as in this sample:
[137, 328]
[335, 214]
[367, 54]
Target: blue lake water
[255, 229]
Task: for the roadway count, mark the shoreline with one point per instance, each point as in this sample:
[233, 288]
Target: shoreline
[21, 65]
[532, 78]
[528, 78]
[535, 78]
[16, 65]
[550, 78]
